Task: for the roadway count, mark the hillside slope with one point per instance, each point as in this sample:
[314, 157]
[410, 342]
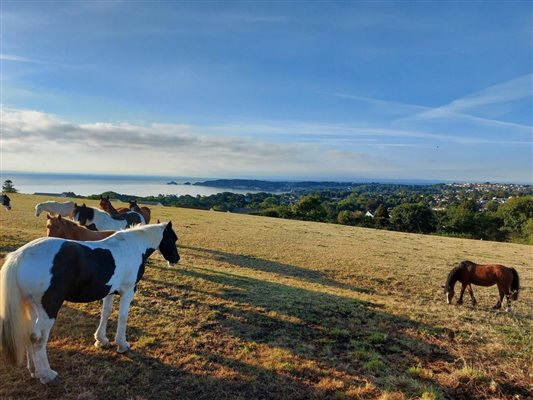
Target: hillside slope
[278, 309]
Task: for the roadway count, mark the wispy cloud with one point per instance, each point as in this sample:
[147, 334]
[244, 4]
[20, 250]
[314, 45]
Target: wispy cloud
[31, 60]
[472, 106]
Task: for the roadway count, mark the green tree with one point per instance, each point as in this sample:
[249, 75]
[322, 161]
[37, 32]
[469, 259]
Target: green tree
[381, 217]
[8, 187]
[413, 217]
[310, 208]
[516, 213]
[459, 219]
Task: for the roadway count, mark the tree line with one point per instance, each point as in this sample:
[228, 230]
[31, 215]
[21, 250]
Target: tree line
[393, 207]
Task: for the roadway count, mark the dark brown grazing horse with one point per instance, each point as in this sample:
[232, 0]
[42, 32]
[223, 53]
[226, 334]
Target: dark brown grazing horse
[66, 229]
[469, 273]
[105, 204]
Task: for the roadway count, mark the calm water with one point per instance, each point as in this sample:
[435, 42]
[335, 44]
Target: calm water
[85, 185]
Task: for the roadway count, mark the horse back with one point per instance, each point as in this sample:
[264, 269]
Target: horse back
[131, 218]
[488, 275]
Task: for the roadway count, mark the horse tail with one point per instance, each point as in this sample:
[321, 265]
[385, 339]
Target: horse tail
[515, 284]
[14, 313]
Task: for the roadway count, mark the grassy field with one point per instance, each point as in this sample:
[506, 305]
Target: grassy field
[263, 308]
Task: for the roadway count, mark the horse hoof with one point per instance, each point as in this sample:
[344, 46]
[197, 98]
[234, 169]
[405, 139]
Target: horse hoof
[102, 345]
[509, 309]
[55, 382]
[126, 350]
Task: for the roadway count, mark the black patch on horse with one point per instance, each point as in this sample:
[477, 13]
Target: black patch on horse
[79, 274]
[84, 214]
[131, 217]
[140, 272]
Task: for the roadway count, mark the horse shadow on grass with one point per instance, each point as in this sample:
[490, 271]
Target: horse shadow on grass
[89, 373]
[287, 270]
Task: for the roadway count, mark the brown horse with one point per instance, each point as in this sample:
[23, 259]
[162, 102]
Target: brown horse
[66, 229]
[469, 273]
[144, 211]
[105, 204]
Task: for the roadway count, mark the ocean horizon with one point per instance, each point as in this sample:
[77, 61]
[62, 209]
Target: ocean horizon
[95, 184]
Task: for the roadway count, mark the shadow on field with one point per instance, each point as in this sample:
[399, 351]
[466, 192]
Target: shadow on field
[287, 270]
[348, 338]
[89, 373]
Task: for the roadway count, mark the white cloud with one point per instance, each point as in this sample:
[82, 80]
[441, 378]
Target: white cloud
[37, 141]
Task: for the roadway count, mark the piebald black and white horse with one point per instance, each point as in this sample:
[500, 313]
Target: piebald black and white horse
[37, 278]
[6, 201]
[99, 220]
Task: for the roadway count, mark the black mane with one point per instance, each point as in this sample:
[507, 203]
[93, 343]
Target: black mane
[453, 275]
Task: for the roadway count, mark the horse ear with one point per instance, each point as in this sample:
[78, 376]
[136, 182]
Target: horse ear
[101, 197]
[84, 205]
[59, 217]
[48, 216]
[158, 221]
[169, 225]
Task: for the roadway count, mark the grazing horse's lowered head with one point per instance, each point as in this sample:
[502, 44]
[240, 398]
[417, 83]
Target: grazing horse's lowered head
[6, 201]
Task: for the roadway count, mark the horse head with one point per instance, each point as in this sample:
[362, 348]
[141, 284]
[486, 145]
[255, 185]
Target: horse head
[83, 214]
[167, 247]
[449, 292]
[53, 226]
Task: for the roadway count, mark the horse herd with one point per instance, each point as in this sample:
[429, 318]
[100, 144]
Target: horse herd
[91, 254]
[91, 257]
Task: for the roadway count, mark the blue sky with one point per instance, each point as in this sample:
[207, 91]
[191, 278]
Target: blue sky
[280, 90]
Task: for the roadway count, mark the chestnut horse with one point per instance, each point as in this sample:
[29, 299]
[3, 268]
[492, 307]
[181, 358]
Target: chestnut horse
[66, 229]
[105, 204]
[469, 273]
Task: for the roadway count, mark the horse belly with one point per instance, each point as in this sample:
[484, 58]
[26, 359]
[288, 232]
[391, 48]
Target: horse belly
[487, 280]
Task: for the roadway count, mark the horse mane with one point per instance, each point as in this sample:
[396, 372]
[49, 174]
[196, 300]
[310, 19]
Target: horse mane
[453, 275]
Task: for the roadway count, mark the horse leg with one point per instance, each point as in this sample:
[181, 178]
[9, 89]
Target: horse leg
[100, 335]
[120, 338]
[460, 300]
[499, 303]
[509, 307]
[471, 292]
[37, 349]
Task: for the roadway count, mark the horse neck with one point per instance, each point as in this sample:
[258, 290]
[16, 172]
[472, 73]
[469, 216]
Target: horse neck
[147, 237]
[453, 277]
[109, 208]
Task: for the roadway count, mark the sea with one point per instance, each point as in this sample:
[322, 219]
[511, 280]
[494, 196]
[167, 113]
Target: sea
[86, 185]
